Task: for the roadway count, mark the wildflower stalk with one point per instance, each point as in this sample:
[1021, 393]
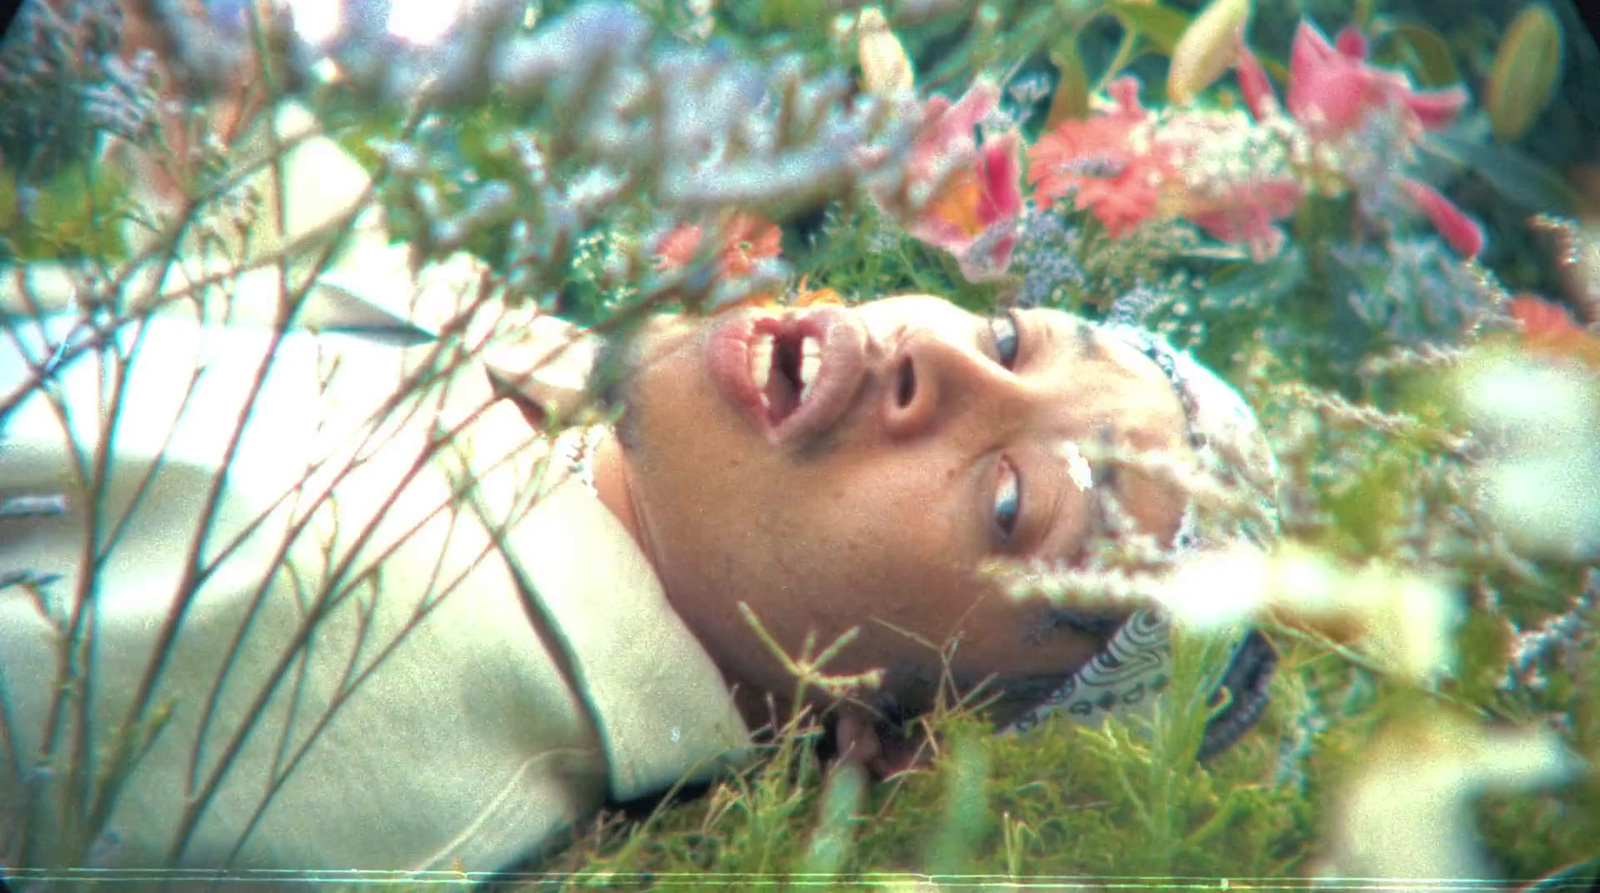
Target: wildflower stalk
[807, 670]
[1341, 412]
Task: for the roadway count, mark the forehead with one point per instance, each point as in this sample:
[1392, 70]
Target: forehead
[1101, 392]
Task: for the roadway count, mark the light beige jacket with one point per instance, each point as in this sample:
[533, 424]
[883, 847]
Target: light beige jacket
[381, 660]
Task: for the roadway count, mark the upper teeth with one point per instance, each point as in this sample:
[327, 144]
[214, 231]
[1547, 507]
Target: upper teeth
[810, 362]
[761, 364]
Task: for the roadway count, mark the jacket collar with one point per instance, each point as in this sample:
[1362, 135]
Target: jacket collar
[662, 709]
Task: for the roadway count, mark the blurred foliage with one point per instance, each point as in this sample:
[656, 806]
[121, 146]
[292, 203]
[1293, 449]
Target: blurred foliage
[73, 213]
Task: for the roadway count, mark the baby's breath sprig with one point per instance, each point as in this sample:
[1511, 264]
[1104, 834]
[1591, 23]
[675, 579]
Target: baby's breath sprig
[1342, 413]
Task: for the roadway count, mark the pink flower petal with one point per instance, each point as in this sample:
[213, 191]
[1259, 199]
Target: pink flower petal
[1310, 50]
[1351, 44]
[1124, 91]
[1435, 109]
[1334, 99]
[1332, 89]
[1000, 168]
[940, 233]
[973, 106]
[1461, 232]
[1247, 214]
[1259, 97]
[988, 257]
[1243, 226]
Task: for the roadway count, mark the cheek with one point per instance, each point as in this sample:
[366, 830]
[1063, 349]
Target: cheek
[882, 540]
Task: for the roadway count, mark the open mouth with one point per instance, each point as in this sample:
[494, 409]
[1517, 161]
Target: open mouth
[796, 376]
[784, 368]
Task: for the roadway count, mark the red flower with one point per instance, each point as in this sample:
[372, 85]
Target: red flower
[1332, 88]
[1460, 231]
[1094, 159]
[1549, 330]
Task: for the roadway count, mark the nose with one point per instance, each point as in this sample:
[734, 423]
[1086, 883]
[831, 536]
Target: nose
[929, 384]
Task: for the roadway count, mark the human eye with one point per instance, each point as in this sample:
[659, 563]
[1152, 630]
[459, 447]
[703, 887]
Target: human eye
[1007, 335]
[1007, 500]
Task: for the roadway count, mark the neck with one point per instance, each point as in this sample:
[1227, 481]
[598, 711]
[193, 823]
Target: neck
[615, 491]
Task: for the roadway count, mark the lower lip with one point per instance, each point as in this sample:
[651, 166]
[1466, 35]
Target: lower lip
[841, 344]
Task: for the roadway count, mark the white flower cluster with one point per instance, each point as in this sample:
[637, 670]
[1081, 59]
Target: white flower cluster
[1216, 152]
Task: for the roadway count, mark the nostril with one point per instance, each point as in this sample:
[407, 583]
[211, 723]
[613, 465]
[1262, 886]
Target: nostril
[906, 388]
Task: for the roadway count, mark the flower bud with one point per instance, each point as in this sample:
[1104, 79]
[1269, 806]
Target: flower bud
[1259, 96]
[1207, 48]
[885, 67]
[1526, 69]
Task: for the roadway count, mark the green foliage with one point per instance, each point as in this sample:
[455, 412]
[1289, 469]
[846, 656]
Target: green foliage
[74, 213]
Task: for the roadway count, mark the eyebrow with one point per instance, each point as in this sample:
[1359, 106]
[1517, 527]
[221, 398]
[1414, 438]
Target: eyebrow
[1104, 474]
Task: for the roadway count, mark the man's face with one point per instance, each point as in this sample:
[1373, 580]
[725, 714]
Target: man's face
[928, 441]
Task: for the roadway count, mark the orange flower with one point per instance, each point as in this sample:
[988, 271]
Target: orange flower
[1550, 331]
[746, 238]
[1094, 160]
[806, 297]
[677, 248]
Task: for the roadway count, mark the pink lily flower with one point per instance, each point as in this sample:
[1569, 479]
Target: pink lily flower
[957, 195]
[974, 216]
[1460, 232]
[1259, 96]
[1332, 88]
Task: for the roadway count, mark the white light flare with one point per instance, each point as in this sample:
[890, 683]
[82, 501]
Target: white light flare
[424, 22]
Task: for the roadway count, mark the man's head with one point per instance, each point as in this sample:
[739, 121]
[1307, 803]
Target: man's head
[929, 441]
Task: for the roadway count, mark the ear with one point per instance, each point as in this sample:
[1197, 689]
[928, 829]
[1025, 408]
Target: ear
[879, 747]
